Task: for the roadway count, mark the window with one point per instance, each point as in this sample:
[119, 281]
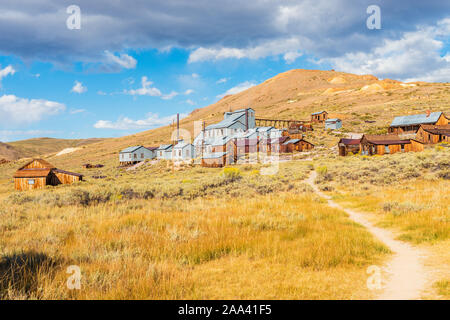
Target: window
[187, 153]
[129, 155]
[386, 149]
[142, 156]
[160, 153]
[179, 153]
[31, 182]
[135, 156]
[403, 148]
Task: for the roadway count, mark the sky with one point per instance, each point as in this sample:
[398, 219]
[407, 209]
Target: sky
[121, 67]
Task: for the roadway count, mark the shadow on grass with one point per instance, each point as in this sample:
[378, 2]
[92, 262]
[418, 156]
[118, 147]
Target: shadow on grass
[21, 273]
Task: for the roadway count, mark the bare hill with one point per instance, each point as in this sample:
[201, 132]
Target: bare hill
[8, 152]
[39, 147]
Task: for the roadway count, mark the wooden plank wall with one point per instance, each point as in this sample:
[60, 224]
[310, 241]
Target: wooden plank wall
[35, 164]
[66, 178]
[22, 183]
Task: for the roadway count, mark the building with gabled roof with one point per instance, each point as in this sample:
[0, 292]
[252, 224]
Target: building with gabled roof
[319, 117]
[39, 173]
[183, 151]
[432, 134]
[232, 123]
[388, 144]
[411, 123]
[296, 145]
[164, 152]
[346, 145]
[136, 154]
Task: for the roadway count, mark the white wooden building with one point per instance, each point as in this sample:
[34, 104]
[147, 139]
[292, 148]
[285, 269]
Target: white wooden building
[164, 152]
[136, 154]
[183, 151]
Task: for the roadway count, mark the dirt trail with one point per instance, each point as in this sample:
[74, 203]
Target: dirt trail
[407, 276]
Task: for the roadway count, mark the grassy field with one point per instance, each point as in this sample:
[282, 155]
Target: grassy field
[199, 233]
[161, 232]
[407, 193]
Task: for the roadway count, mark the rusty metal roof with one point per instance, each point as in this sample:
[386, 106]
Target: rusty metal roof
[444, 129]
[68, 173]
[32, 173]
[350, 141]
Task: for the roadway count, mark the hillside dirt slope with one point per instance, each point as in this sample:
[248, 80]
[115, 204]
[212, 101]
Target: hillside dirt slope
[8, 152]
[42, 146]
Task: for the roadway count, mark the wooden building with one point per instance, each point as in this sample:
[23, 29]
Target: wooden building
[319, 117]
[411, 124]
[135, 154]
[296, 145]
[346, 146]
[388, 144]
[333, 124]
[246, 146]
[39, 173]
[272, 146]
[431, 134]
[214, 160]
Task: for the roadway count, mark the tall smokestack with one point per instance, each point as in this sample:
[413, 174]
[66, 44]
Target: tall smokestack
[178, 126]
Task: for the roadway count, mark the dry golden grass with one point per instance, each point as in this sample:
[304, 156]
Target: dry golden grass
[407, 193]
[268, 242]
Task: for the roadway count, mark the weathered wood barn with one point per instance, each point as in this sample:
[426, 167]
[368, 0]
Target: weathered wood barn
[39, 173]
[431, 134]
[296, 145]
[388, 144]
[319, 117]
[348, 145]
[412, 123]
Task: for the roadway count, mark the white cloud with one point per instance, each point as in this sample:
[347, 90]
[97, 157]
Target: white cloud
[78, 87]
[188, 92]
[125, 123]
[190, 102]
[291, 56]
[289, 48]
[170, 95]
[416, 56]
[9, 70]
[239, 88]
[146, 89]
[195, 75]
[223, 80]
[15, 110]
[75, 111]
[123, 60]
[102, 93]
